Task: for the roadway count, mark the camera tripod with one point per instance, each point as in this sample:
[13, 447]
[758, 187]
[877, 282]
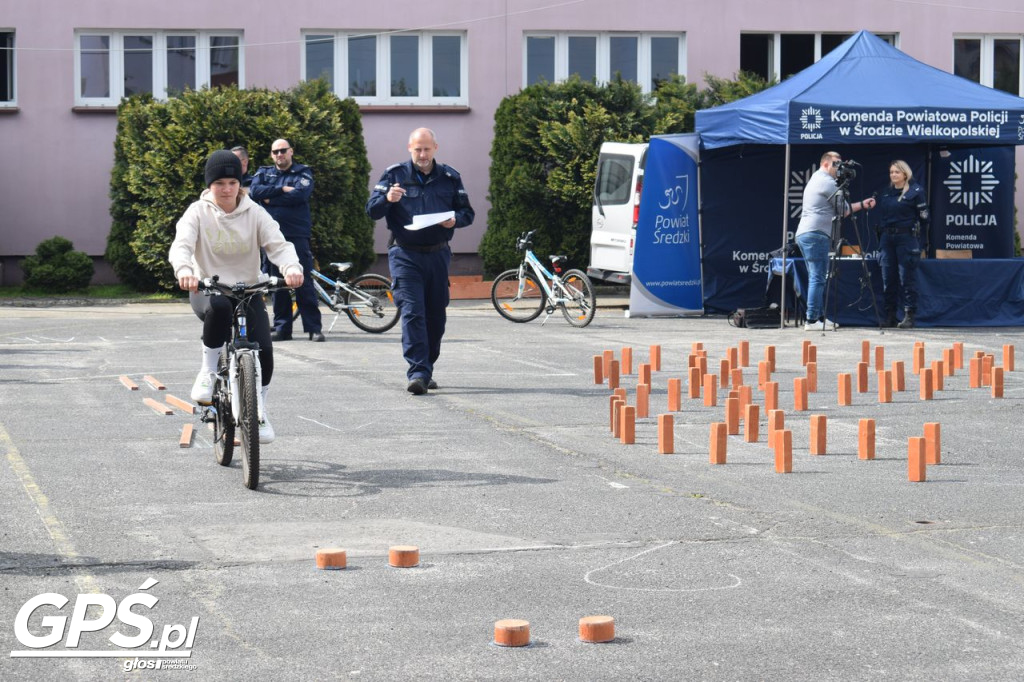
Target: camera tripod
[841, 200]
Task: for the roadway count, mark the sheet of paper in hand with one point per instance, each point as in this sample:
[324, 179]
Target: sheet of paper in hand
[428, 219]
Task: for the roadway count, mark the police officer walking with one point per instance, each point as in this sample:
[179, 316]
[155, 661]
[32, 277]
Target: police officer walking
[284, 190]
[419, 256]
[903, 211]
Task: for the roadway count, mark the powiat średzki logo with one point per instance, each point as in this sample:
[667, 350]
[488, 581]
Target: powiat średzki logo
[92, 613]
[971, 182]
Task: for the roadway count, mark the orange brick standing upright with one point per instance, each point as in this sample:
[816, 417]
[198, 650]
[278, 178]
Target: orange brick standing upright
[899, 376]
[744, 354]
[927, 384]
[918, 357]
[784, 452]
[725, 368]
[933, 443]
[606, 359]
[865, 351]
[948, 362]
[938, 374]
[819, 439]
[862, 377]
[1008, 357]
[736, 376]
[643, 373]
[643, 401]
[866, 439]
[710, 390]
[804, 345]
[751, 423]
[776, 423]
[974, 373]
[915, 459]
[769, 355]
[666, 434]
[812, 377]
[732, 415]
[693, 383]
[800, 394]
[618, 407]
[771, 396]
[997, 382]
[845, 389]
[627, 430]
[763, 375]
[879, 358]
[987, 363]
[734, 357]
[812, 353]
[613, 374]
[746, 397]
[655, 359]
[598, 369]
[958, 354]
[719, 437]
[675, 397]
[627, 361]
[885, 386]
[612, 416]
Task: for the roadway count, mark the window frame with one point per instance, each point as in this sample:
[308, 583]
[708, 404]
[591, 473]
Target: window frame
[603, 73]
[12, 103]
[775, 45]
[116, 64]
[987, 65]
[382, 56]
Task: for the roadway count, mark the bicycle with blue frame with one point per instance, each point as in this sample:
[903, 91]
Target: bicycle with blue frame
[367, 300]
[237, 400]
[523, 293]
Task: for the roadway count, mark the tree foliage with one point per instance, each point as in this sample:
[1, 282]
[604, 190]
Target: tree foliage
[544, 155]
[161, 149]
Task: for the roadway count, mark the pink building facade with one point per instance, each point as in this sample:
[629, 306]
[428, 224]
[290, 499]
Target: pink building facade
[65, 65]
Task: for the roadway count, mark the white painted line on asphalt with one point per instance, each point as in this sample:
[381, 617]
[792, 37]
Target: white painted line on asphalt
[332, 428]
[586, 578]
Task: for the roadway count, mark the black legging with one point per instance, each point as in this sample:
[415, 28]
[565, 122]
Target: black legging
[218, 314]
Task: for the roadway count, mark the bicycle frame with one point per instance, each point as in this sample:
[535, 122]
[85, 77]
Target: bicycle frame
[543, 275]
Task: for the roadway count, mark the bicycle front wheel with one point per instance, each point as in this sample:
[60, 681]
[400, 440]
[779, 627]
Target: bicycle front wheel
[515, 299]
[223, 422]
[371, 306]
[249, 420]
[579, 309]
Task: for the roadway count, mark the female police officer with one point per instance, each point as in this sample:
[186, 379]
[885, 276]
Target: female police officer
[903, 211]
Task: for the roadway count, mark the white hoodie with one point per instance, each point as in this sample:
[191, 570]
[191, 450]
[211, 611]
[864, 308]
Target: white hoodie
[208, 241]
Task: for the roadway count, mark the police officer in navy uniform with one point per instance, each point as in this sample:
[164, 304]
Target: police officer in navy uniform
[243, 155]
[419, 258]
[903, 213]
[284, 190]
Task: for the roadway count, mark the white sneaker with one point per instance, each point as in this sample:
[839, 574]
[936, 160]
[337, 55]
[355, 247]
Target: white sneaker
[202, 389]
[819, 326]
[266, 430]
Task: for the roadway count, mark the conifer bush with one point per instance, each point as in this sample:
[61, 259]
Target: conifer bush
[56, 267]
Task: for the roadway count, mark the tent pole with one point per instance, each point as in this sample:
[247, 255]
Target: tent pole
[785, 217]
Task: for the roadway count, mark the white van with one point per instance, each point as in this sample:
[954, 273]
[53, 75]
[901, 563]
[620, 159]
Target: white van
[620, 178]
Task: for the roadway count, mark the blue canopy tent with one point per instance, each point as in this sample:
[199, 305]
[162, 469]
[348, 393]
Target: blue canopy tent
[864, 93]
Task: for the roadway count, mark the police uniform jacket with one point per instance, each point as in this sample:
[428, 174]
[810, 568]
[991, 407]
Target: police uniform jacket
[289, 209]
[901, 212]
[437, 192]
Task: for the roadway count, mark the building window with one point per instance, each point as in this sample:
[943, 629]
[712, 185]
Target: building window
[994, 61]
[780, 55]
[6, 68]
[110, 65]
[390, 68]
[644, 58]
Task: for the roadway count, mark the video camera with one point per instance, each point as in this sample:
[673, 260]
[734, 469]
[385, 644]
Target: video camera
[846, 171]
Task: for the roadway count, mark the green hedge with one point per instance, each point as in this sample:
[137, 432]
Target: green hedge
[57, 268]
[161, 149]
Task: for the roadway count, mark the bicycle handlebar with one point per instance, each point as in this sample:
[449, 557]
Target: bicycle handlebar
[213, 285]
[525, 241]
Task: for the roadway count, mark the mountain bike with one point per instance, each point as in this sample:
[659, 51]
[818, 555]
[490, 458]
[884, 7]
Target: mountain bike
[521, 294]
[237, 399]
[367, 299]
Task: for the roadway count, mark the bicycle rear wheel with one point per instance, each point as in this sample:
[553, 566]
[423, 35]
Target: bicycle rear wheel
[372, 307]
[579, 311]
[517, 301]
[223, 422]
[249, 420]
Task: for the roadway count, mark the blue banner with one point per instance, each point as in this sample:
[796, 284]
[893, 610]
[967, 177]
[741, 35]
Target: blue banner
[666, 259]
[813, 124]
[972, 201]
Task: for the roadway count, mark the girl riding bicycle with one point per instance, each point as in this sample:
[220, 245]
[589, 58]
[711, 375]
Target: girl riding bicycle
[222, 234]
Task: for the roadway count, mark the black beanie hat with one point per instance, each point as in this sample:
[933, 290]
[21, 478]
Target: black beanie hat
[223, 164]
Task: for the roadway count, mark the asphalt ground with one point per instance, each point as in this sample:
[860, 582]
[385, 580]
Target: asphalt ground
[521, 502]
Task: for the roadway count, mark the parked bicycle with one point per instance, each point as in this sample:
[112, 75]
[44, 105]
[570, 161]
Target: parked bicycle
[237, 399]
[521, 294]
[367, 299]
